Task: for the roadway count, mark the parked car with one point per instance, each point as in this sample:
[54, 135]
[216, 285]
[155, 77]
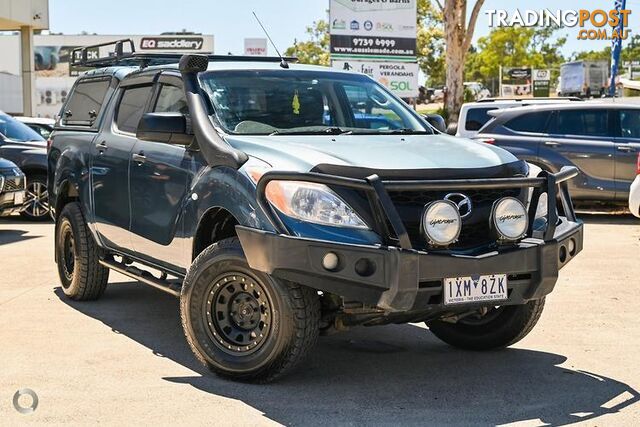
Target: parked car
[474, 115]
[42, 125]
[634, 193]
[601, 139]
[477, 90]
[27, 149]
[272, 223]
[12, 188]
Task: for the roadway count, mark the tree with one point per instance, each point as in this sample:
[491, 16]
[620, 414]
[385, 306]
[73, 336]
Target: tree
[458, 35]
[514, 47]
[430, 42]
[315, 50]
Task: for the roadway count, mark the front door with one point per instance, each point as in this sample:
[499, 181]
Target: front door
[160, 176]
[111, 157]
[627, 151]
[583, 138]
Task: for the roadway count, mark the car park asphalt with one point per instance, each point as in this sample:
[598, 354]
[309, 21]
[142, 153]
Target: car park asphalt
[124, 358]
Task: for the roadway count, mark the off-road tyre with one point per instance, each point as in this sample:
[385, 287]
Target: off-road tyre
[77, 256]
[509, 326]
[221, 281]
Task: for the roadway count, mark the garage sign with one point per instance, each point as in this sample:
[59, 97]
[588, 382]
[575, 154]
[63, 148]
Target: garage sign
[373, 29]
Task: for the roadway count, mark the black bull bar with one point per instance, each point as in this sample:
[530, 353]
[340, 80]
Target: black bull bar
[554, 184]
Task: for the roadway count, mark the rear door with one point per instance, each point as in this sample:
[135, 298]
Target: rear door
[160, 175]
[521, 135]
[627, 149]
[111, 156]
[583, 138]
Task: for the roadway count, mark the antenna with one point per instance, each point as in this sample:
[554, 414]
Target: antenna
[283, 62]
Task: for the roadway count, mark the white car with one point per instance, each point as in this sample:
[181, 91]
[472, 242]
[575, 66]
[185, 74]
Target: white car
[473, 115]
[478, 90]
[634, 194]
[42, 125]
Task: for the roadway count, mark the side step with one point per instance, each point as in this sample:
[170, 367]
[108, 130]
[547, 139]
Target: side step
[143, 276]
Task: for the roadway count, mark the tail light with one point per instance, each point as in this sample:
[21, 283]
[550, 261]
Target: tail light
[486, 140]
[49, 142]
[638, 165]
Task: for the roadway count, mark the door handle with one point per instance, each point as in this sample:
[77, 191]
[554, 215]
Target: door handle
[102, 146]
[139, 158]
[551, 143]
[625, 148]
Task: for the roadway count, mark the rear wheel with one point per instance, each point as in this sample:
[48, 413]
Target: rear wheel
[499, 327]
[77, 256]
[244, 324]
[37, 201]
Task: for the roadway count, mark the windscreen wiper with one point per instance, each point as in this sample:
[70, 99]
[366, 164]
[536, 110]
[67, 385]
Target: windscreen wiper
[406, 131]
[333, 130]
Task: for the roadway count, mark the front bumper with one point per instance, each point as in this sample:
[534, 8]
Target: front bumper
[634, 197]
[396, 277]
[406, 280]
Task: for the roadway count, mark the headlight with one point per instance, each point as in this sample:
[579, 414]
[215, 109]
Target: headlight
[441, 223]
[509, 218]
[311, 202]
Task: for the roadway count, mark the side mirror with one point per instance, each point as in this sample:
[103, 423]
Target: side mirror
[436, 121]
[170, 128]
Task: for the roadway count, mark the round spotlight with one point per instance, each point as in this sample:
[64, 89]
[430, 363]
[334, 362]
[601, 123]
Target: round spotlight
[510, 218]
[330, 261]
[572, 247]
[441, 223]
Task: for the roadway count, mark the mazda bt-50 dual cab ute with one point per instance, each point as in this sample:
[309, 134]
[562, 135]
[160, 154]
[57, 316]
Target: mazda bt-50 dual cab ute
[250, 189]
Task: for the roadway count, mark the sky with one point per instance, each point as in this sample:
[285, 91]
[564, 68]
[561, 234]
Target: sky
[231, 21]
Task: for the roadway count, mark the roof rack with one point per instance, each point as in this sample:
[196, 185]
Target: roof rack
[560, 98]
[123, 52]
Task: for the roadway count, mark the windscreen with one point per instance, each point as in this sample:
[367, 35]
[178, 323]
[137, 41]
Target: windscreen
[271, 102]
[16, 131]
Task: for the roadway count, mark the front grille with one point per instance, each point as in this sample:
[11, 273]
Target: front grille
[475, 229]
[13, 184]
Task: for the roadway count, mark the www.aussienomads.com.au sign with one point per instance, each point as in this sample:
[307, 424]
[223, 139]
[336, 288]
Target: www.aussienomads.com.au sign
[377, 37]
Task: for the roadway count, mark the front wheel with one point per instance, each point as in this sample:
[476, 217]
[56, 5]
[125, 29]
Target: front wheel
[244, 324]
[37, 201]
[499, 327]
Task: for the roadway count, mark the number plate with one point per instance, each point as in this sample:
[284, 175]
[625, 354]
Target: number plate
[459, 290]
[18, 198]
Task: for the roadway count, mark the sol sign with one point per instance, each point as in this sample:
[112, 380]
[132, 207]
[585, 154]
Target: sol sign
[401, 78]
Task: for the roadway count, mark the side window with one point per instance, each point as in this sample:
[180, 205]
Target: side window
[580, 122]
[85, 103]
[131, 107]
[476, 118]
[529, 122]
[171, 99]
[43, 131]
[630, 123]
[368, 110]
